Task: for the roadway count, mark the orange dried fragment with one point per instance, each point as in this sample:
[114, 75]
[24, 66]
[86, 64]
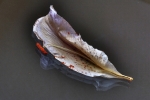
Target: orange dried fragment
[38, 45]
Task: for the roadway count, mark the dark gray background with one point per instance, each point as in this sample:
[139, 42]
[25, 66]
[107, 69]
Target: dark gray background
[121, 28]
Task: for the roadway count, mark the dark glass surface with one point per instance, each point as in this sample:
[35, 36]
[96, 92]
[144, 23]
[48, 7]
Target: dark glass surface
[118, 27]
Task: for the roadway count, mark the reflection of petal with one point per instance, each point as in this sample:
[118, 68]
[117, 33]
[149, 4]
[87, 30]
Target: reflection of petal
[60, 39]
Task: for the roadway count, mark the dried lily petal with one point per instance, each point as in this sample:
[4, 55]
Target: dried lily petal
[60, 39]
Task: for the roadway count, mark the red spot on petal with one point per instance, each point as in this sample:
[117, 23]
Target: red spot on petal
[63, 62]
[71, 66]
[62, 56]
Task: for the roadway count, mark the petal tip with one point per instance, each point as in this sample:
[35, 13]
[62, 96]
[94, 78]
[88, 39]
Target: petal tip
[53, 10]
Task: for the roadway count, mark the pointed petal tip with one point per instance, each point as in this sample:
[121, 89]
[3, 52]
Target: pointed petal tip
[53, 10]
